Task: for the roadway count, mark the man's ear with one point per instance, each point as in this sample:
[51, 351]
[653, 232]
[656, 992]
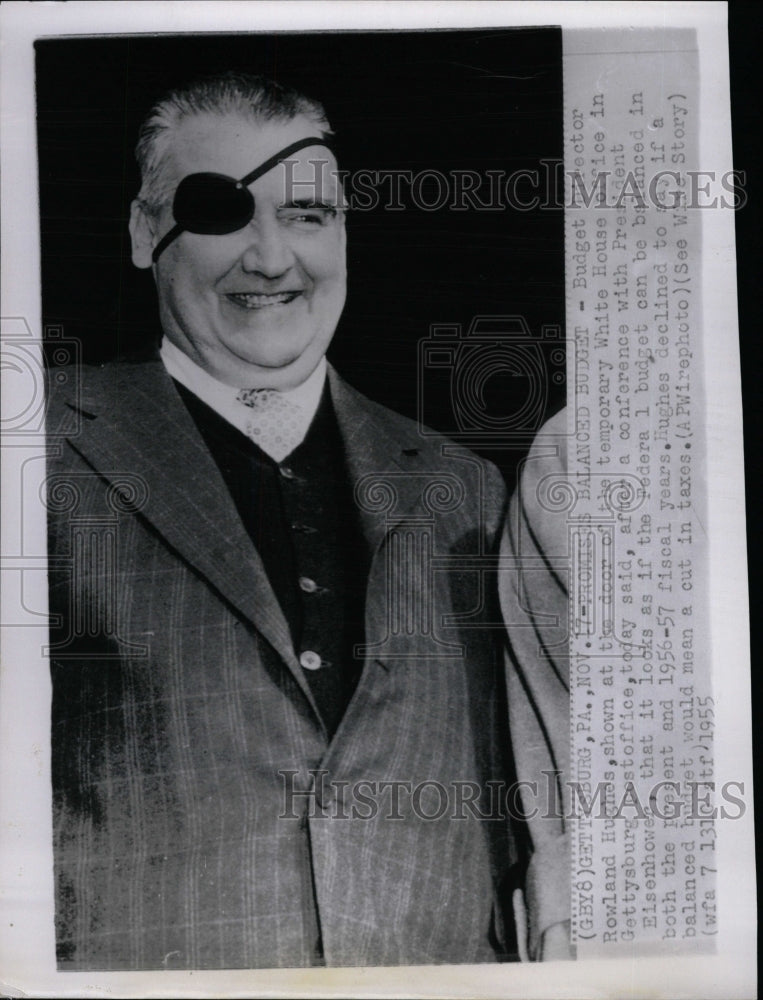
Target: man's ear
[142, 235]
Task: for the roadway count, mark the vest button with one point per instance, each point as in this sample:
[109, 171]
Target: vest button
[309, 660]
[309, 586]
[286, 472]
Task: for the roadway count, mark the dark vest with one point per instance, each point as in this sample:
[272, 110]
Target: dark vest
[301, 518]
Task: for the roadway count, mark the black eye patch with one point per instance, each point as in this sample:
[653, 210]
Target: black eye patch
[213, 204]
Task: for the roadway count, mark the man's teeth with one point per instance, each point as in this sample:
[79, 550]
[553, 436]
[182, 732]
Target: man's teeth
[253, 301]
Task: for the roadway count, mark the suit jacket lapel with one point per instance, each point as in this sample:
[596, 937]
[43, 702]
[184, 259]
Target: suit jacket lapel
[391, 469]
[138, 424]
[380, 463]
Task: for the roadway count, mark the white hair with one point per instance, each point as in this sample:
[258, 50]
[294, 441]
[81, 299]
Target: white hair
[253, 97]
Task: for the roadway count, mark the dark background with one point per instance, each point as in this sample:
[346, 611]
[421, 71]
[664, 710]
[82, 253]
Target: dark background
[464, 100]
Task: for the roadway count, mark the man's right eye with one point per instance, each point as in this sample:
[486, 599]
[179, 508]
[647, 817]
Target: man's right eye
[319, 215]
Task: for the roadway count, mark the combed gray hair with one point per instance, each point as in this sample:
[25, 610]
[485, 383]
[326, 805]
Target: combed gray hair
[256, 98]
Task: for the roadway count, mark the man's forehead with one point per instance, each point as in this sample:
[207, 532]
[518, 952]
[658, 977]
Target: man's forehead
[233, 145]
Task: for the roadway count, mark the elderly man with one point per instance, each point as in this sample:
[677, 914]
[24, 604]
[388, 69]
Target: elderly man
[275, 706]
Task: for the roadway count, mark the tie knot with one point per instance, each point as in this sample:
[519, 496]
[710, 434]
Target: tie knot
[277, 424]
[261, 399]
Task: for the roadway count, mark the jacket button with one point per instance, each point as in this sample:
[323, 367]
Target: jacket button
[309, 586]
[309, 660]
[286, 472]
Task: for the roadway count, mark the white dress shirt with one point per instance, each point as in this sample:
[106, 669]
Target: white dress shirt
[222, 398]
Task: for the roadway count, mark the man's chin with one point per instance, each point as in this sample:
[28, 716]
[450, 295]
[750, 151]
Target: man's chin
[269, 352]
[273, 370]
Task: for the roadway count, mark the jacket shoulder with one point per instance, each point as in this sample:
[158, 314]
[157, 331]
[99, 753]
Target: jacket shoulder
[433, 448]
[65, 391]
[76, 391]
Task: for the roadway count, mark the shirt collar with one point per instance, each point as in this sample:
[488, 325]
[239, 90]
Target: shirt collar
[222, 398]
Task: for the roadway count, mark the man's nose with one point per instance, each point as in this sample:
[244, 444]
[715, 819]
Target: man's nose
[268, 251]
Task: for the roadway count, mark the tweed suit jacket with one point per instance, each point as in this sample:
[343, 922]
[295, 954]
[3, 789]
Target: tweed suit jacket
[189, 830]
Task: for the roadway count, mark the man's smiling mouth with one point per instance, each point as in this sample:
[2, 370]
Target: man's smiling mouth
[251, 300]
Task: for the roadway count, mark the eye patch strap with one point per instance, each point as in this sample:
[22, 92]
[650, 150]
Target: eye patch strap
[277, 158]
[263, 168]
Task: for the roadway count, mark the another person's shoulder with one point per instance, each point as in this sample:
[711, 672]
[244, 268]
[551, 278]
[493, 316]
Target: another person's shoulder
[548, 452]
[543, 484]
[538, 519]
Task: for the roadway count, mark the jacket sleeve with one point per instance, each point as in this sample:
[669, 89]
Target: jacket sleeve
[534, 601]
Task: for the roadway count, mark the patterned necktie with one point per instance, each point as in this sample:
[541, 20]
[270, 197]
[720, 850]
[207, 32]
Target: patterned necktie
[276, 424]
